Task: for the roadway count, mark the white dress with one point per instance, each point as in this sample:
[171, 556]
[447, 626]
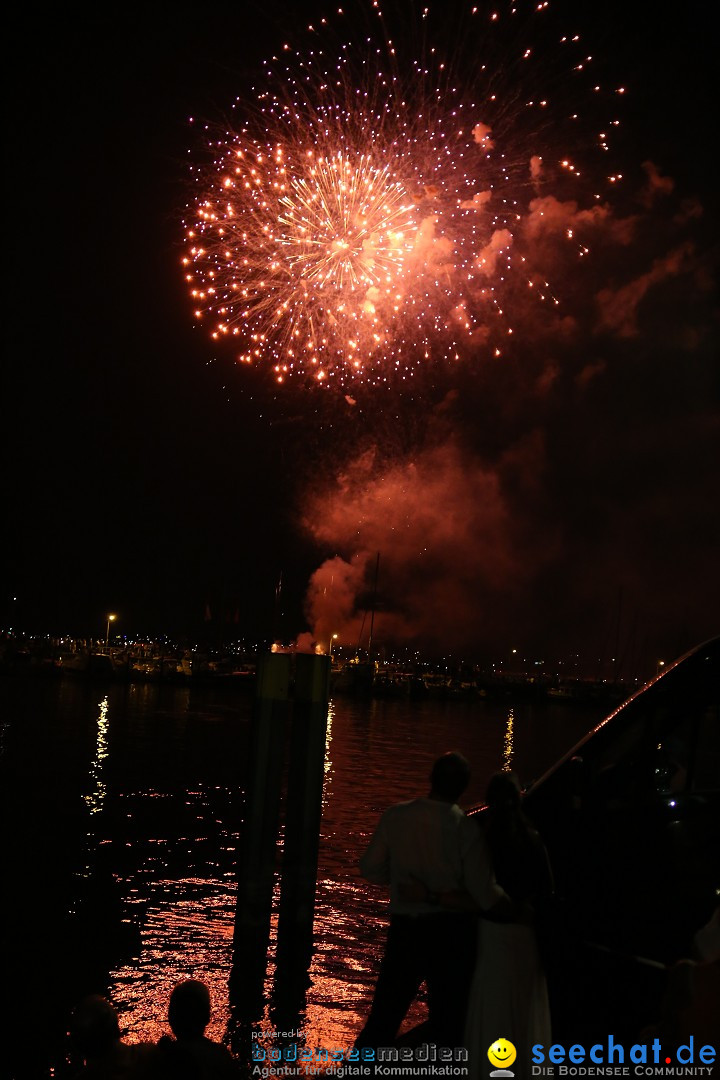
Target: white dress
[508, 999]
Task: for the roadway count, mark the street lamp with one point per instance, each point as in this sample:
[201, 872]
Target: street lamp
[660, 664]
[110, 618]
[333, 638]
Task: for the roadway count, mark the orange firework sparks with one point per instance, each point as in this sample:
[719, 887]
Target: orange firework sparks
[359, 224]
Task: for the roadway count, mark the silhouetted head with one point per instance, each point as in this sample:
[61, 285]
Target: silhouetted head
[503, 793]
[450, 776]
[94, 1027]
[189, 1011]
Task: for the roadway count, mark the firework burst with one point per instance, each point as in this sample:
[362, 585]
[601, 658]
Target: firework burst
[367, 215]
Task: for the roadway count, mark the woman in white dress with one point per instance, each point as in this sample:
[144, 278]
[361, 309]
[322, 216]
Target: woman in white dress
[509, 998]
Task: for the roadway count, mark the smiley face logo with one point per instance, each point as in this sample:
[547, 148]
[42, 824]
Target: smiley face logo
[502, 1053]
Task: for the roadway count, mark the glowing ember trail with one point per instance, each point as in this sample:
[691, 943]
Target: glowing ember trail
[368, 216]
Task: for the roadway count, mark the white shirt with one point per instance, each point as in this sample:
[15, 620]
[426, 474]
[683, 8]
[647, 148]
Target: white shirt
[435, 842]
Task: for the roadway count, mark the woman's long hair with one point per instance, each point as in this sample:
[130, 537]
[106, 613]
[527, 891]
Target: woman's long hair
[511, 838]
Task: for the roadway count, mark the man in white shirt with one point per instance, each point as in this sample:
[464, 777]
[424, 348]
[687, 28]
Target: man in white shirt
[431, 841]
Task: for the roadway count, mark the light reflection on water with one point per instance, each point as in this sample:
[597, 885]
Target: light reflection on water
[163, 812]
[187, 933]
[96, 797]
[508, 741]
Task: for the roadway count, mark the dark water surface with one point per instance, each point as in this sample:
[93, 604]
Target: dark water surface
[122, 812]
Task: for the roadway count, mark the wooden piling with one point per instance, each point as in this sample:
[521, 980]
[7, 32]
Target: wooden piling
[303, 815]
[290, 687]
[258, 846]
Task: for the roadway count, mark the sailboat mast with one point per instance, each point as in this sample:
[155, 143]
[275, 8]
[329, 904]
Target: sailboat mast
[372, 609]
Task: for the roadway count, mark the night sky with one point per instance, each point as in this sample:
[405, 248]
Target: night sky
[563, 501]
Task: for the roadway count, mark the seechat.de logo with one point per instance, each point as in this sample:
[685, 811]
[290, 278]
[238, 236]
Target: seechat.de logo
[501, 1054]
